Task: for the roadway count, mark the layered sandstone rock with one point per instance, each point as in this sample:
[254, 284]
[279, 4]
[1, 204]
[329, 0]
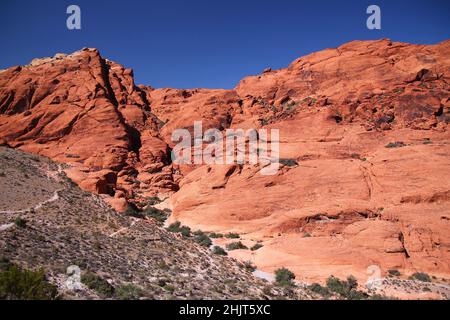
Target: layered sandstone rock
[341, 203]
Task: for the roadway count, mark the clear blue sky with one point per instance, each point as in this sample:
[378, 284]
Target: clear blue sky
[208, 43]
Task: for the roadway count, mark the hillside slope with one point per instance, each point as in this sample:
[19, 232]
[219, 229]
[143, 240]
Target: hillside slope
[64, 226]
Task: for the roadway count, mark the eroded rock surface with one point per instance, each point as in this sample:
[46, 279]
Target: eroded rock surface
[365, 127]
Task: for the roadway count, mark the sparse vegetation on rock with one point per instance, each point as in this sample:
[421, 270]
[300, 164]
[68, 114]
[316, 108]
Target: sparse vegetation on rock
[394, 273]
[98, 284]
[346, 289]
[20, 222]
[232, 235]
[129, 291]
[22, 284]
[202, 238]
[257, 246]
[421, 276]
[236, 246]
[397, 144]
[284, 277]
[219, 251]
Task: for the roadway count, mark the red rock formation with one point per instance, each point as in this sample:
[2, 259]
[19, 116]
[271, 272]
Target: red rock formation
[348, 204]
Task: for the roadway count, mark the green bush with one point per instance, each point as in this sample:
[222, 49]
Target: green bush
[256, 247]
[159, 215]
[18, 284]
[357, 295]
[352, 283]
[219, 251]
[176, 227]
[336, 285]
[98, 284]
[317, 288]
[20, 222]
[397, 144]
[185, 231]
[235, 246]
[201, 238]
[394, 273]
[153, 200]
[249, 266]
[232, 236]
[284, 277]
[215, 235]
[4, 263]
[132, 212]
[288, 162]
[421, 276]
[346, 289]
[129, 292]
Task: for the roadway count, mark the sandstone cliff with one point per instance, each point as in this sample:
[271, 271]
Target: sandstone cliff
[364, 138]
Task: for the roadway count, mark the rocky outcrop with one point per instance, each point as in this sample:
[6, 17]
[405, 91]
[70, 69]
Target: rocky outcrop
[364, 139]
[85, 111]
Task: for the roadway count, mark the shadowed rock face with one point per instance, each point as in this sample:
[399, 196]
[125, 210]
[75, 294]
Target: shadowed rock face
[348, 204]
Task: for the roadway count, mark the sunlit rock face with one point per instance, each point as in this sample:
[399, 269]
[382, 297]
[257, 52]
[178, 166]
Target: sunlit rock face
[363, 134]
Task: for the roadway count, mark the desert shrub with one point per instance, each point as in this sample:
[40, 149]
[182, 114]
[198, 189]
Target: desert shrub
[174, 227]
[352, 283]
[215, 235]
[4, 263]
[185, 231]
[98, 284]
[356, 295]
[232, 236]
[153, 200]
[170, 288]
[18, 284]
[421, 276]
[284, 277]
[317, 288]
[256, 247]
[236, 246]
[310, 101]
[20, 222]
[132, 212]
[346, 289]
[336, 285]
[219, 251]
[288, 162]
[379, 297]
[129, 292]
[394, 273]
[202, 238]
[159, 215]
[397, 144]
[249, 266]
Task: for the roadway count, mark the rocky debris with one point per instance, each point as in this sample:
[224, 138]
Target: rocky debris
[80, 231]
